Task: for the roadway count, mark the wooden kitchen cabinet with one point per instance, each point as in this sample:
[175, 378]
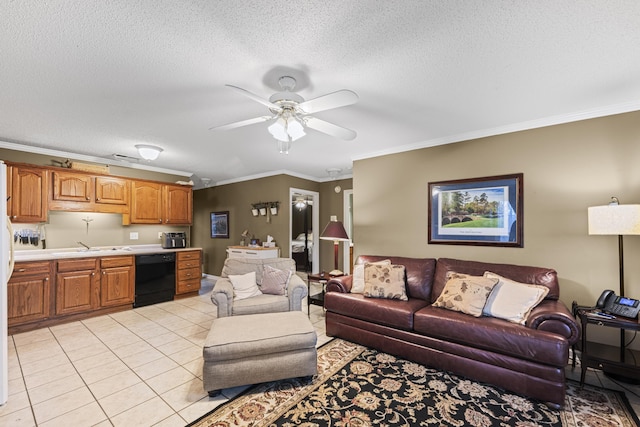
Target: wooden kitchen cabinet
[117, 278]
[28, 194]
[188, 271]
[77, 286]
[146, 202]
[82, 192]
[155, 203]
[178, 204]
[29, 292]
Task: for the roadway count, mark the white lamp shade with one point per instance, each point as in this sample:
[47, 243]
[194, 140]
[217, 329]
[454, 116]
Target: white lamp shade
[614, 219]
[149, 152]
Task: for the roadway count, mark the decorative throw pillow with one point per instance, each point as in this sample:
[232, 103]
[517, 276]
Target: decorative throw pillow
[244, 286]
[357, 282]
[384, 281]
[465, 293]
[511, 300]
[274, 281]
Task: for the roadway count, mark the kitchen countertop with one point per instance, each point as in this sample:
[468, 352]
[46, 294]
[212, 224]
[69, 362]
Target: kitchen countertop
[99, 251]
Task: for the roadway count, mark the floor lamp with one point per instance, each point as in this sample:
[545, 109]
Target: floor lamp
[335, 231]
[616, 219]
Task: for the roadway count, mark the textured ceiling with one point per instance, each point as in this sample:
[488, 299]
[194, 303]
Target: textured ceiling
[97, 77]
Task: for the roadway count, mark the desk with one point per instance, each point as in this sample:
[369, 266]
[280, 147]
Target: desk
[609, 358]
[257, 252]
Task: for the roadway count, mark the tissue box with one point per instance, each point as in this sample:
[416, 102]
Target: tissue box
[268, 244]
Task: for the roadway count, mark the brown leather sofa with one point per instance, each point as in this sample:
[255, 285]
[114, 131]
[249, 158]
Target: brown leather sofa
[526, 359]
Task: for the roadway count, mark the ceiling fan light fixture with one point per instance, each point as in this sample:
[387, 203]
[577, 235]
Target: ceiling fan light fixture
[284, 146]
[295, 129]
[279, 130]
[149, 152]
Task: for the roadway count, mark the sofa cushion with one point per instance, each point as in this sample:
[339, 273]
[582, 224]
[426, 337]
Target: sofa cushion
[492, 334]
[419, 273]
[237, 266]
[357, 283]
[511, 300]
[244, 285]
[384, 281]
[465, 293]
[534, 275]
[274, 281]
[393, 313]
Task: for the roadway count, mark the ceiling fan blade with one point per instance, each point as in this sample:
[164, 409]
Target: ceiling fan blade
[255, 97]
[326, 102]
[330, 128]
[242, 123]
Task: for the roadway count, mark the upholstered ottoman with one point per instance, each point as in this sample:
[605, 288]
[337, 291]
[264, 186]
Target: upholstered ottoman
[256, 348]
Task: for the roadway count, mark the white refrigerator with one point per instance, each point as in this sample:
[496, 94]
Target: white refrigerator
[6, 268]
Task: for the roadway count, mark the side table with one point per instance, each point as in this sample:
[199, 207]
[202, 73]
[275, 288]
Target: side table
[317, 299]
[615, 360]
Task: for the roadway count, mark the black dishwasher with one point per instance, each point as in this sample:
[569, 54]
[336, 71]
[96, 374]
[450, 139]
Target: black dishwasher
[155, 278]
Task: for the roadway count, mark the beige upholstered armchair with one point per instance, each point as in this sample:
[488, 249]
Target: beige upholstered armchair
[228, 303]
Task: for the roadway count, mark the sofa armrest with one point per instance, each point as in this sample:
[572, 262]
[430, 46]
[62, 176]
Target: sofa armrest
[296, 292]
[222, 296]
[554, 316]
[340, 284]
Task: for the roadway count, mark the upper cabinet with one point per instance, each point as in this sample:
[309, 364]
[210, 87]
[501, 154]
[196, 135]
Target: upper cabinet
[33, 190]
[28, 194]
[178, 204]
[154, 203]
[74, 191]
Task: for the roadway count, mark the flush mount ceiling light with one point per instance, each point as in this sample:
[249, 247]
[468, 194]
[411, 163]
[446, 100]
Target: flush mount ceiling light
[291, 114]
[149, 152]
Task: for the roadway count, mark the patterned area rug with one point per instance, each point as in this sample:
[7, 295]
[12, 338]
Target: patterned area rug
[357, 386]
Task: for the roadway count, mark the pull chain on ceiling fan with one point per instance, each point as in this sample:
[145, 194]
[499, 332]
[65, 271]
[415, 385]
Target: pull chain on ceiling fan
[291, 114]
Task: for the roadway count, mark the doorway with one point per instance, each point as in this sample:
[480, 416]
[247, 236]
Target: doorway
[303, 229]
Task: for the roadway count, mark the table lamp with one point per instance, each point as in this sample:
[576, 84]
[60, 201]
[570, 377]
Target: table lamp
[335, 231]
[615, 219]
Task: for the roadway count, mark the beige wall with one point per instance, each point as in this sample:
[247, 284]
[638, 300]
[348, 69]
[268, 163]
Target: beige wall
[237, 199]
[566, 168]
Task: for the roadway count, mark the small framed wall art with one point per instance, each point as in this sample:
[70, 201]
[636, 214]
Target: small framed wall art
[220, 225]
[478, 211]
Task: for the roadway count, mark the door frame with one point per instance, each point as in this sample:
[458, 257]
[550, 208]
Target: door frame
[347, 216]
[315, 224]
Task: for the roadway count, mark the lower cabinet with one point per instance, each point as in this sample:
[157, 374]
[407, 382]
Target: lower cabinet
[28, 292]
[77, 286]
[188, 271]
[117, 276]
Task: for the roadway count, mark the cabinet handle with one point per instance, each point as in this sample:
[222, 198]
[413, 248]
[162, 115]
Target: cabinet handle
[88, 198]
[104, 272]
[93, 274]
[167, 220]
[46, 279]
[160, 220]
[97, 199]
[22, 270]
[14, 217]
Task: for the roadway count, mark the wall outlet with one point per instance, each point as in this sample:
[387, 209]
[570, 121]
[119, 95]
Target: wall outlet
[133, 235]
[159, 234]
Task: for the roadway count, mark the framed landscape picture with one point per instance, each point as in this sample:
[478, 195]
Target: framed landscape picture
[477, 211]
[220, 225]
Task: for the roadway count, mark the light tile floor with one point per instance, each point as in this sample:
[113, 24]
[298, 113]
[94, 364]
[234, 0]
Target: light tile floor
[141, 367]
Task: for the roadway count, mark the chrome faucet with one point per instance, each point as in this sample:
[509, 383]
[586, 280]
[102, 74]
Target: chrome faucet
[86, 246]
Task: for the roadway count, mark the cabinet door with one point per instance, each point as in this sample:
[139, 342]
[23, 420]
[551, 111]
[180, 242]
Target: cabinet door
[178, 204]
[76, 292]
[116, 286]
[146, 203]
[28, 293]
[72, 187]
[113, 191]
[28, 194]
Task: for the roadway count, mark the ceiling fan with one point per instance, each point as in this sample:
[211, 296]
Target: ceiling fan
[291, 114]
